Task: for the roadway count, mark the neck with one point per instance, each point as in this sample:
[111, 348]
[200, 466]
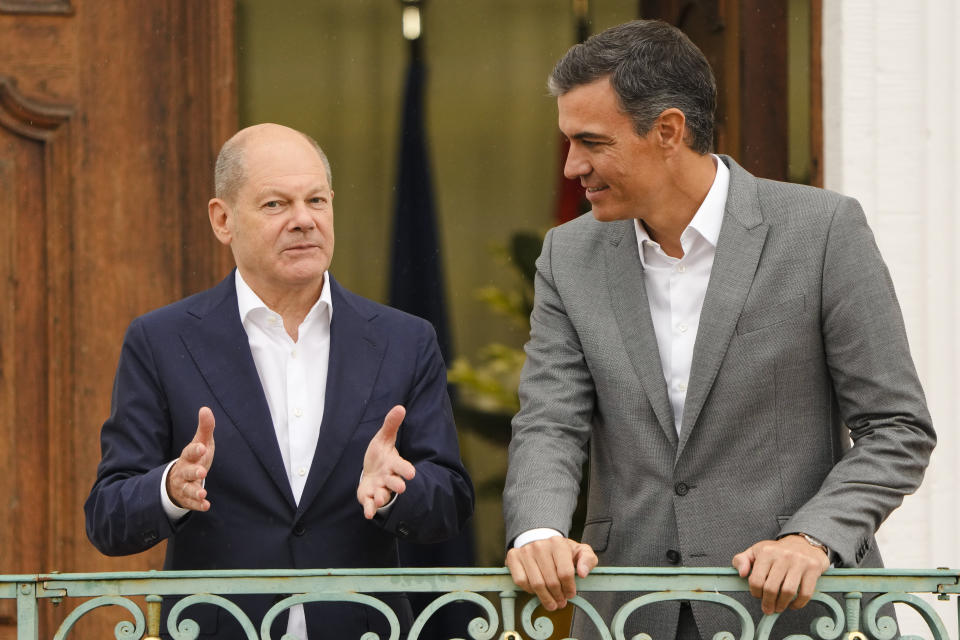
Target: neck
[291, 304]
[689, 177]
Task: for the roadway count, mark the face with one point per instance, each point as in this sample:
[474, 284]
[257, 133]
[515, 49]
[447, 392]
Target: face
[280, 227]
[621, 171]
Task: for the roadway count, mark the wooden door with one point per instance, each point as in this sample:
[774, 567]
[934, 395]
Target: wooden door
[748, 45]
[111, 114]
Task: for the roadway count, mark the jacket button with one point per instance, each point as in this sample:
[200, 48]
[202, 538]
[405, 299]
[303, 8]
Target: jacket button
[681, 488]
[673, 556]
[299, 530]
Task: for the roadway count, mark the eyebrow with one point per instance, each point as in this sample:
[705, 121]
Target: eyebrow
[589, 134]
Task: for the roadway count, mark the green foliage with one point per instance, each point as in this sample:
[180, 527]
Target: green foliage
[490, 384]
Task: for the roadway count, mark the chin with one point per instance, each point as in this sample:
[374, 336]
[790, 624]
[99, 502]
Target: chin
[603, 214]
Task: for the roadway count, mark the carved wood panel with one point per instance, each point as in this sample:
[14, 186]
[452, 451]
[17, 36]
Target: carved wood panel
[110, 119]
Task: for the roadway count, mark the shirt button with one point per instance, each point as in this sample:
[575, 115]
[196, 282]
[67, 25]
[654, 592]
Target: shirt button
[681, 386]
[298, 412]
[293, 354]
[682, 268]
[272, 319]
[682, 327]
[301, 472]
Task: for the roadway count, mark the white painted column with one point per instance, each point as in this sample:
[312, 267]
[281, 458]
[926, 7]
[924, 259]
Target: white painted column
[891, 75]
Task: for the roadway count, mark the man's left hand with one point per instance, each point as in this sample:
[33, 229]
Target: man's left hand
[782, 572]
[385, 472]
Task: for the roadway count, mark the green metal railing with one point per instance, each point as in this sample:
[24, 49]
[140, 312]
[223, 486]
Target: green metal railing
[491, 589]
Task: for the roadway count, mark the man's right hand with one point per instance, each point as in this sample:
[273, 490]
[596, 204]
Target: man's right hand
[547, 568]
[185, 478]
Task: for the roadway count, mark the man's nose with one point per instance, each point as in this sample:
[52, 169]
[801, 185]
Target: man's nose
[301, 217]
[576, 164]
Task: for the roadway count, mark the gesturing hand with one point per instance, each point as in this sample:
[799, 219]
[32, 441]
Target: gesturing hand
[185, 478]
[384, 470]
[782, 572]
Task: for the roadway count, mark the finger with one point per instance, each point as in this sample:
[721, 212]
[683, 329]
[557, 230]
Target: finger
[395, 484]
[536, 581]
[772, 587]
[758, 576]
[563, 561]
[403, 468]
[205, 425]
[391, 425]
[743, 562]
[381, 497]
[585, 559]
[193, 453]
[515, 564]
[545, 553]
[369, 508]
[808, 585]
[788, 590]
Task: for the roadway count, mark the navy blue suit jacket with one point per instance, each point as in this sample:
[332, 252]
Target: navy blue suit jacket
[195, 353]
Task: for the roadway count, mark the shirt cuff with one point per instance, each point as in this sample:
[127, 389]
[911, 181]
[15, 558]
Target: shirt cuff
[533, 535]
[174, 513]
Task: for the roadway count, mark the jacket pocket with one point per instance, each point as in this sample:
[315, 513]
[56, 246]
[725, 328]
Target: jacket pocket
[596, 533]
[770, 315]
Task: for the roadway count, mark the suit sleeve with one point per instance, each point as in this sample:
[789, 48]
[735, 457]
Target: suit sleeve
[877, 393]
[124, 514]
[439, 499]
[550, 433]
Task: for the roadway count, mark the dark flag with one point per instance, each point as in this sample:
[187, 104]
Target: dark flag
[417, 287]
[416, 274]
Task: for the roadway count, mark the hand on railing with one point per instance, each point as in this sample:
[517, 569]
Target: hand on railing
[782, 572]
[547, 568]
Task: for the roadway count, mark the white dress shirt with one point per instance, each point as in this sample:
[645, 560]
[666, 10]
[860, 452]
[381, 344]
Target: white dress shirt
[294, 380]
[675, 289]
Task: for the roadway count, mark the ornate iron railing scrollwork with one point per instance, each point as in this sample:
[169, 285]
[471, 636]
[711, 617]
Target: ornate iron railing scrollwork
[846, 616]
[124, 630]
[188, 629]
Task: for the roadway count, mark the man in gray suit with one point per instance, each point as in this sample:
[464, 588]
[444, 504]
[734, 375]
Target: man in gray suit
[715, 341]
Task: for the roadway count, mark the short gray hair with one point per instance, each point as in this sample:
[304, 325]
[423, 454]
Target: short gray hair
[652, 66]
[228, 173]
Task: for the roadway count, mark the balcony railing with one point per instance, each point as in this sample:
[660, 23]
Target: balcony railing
[490, 589]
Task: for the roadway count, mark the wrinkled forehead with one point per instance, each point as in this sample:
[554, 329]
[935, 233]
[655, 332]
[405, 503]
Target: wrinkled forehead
[283, 160]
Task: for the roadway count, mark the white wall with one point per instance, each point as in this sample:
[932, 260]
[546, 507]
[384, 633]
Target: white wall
[891, 75]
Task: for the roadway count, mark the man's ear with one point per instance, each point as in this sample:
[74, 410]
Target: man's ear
[671, 128]
[219, 212]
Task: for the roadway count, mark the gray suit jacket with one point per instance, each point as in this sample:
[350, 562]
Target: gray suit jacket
[801, 348]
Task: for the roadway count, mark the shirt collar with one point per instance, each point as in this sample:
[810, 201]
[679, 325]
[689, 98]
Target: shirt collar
[708, 218]
[248, 301]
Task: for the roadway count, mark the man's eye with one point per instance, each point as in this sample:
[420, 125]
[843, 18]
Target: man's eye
[273, 204]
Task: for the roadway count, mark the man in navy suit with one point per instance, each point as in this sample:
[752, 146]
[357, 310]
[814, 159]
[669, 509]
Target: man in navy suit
[334, 432]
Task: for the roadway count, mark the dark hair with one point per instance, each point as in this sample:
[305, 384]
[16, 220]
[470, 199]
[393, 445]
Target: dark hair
[652, 66]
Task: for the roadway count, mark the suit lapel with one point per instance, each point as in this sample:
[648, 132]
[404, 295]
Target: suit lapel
[356, 354]
[741, 240]
[221, 351]
[631, 309]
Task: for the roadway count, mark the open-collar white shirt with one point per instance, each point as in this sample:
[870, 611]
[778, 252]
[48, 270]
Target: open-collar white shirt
[676, 287]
